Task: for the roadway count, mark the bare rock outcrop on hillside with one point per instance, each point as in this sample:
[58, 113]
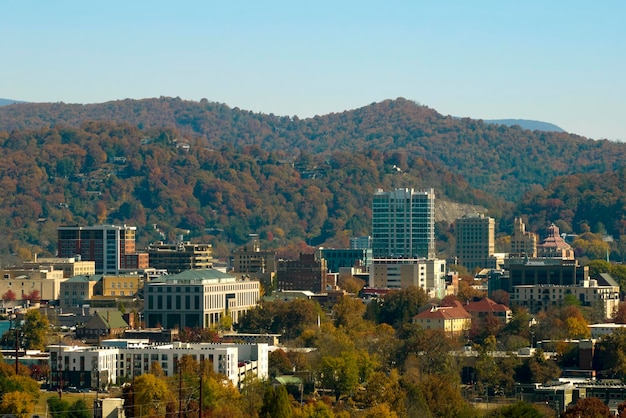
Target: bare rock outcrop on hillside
[451, 211]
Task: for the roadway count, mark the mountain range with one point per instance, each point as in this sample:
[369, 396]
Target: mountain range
[204, 167]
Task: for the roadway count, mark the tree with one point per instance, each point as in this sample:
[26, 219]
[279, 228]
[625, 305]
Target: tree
[609, 357]
[317, 409]
[519, 409]
[20, 404]
[348, 312]
[587, 407]
[620, 314]
[340, 373]
[35, 330]
[537, 369]
[151, 395]
[9, 295]
[276, 403]
[79, 409]
[59, 408]
[279, 363]
[399, 306]
[32, 296]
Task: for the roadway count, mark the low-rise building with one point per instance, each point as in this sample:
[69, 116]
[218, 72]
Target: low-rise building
[72, 266]
[485, 307]
[77, 290]
[400, 273]
[197, 298]
[306, 273]
[452, 320]
[46, 282]
[605, 298]
[118, 360]
[102, 325]
[181, 256]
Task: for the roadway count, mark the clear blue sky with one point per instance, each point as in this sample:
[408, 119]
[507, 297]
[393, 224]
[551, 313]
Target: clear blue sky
[557, 61]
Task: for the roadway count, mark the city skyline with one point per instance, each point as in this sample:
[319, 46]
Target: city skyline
[556, 62]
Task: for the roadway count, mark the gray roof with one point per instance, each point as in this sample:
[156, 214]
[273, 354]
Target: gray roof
[606, 277]
[83, 279]
[202, 275]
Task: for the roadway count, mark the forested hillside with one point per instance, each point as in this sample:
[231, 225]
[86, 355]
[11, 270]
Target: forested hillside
[217, 174]
[168, 184]
[502, 161]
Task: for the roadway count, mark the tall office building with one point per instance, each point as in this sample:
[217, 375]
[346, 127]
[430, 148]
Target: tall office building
[111, 247]
[403, 224]
[523, 243]
[475, 241]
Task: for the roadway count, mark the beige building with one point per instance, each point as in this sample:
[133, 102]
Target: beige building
[554, 246]
[400, 273]
[122, 285]
[452, 320]
[23, 282]
[604, 297]
[475, 241]
[251, 261]
[523, 243]
[77, 290]
[71, 266]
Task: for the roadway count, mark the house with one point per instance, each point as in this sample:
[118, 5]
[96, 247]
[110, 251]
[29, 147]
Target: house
[102, 325]
[452, 320]
[483, 308]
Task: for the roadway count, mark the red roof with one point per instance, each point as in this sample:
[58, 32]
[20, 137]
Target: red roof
[485, 305]
[443, 312]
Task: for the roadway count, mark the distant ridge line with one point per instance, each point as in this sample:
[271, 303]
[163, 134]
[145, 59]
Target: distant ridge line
[533, 125]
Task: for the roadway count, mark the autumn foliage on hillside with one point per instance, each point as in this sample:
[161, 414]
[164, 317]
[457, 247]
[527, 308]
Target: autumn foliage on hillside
[168, 184]
[217, 174]
[502, 161]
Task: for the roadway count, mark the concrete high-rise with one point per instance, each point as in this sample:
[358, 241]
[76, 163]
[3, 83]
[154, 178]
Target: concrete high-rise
[523, 243]
[403, 224]
[111, 247]
[475, 241]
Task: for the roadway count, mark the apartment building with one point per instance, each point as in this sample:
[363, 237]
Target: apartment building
[403, 224]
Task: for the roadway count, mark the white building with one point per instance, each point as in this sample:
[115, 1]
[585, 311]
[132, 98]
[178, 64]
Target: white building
[197, 298]
[400, 273]
[590, 293]
[119, 360]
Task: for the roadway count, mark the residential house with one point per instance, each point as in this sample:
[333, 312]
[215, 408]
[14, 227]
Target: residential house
[102, 325]
[452, 320]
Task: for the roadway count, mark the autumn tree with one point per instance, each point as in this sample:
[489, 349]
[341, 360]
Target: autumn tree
[8, 296]
[19, 404]
[608, 357]
[587, 407]
[35, 330]
[151, 395]
[397, 307]
[339, 373]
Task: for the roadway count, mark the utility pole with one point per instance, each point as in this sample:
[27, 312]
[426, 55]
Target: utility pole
[59, 359]
[180, 391]
[17, 345]
[200, 408]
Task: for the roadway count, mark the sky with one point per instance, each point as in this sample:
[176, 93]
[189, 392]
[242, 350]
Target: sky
[562, 62]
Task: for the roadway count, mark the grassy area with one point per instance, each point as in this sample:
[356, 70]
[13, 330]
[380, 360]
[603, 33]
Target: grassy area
[40, 408]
